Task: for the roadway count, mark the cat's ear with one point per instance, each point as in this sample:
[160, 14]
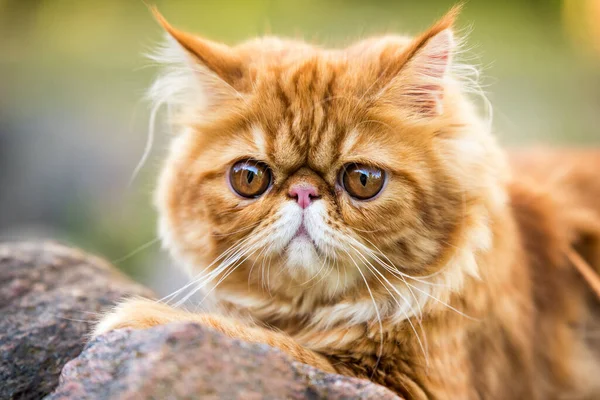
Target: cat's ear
[419, 84]
[199, 72]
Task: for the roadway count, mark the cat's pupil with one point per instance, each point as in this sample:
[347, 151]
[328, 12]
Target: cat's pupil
[363, 179]
[250, 177]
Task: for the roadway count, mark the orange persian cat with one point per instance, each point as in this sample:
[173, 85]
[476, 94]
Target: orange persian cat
[351, 208]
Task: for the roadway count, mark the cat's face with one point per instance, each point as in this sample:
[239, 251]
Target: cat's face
[308, 172]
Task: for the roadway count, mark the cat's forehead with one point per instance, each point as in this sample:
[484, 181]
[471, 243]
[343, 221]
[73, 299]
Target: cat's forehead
[306, 115]
[310, 104]
[323, 144]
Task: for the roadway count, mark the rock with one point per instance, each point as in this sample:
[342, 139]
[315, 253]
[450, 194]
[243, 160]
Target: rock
[181, 361]
[49, 294]
[49, 297]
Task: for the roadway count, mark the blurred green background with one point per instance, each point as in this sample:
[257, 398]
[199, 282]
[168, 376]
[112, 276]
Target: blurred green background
[73, 123]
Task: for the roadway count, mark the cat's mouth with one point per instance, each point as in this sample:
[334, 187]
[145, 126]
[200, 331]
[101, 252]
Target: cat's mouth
[302, 241]
[300, 235]
[301, 232]
[303, 235]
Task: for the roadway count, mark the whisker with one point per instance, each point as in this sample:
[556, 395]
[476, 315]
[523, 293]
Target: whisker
[149, 142]
[86, 321]
[390, 269]
[199, 275]
[136, 251]
[315, 275]
[227, 254]
[223, 268]
[269, 272]
[366, 230]
[238, 231]
[231, 270]
[444, 303]
[373, 269]
[431, 296]
[260, 256]
[380, 352]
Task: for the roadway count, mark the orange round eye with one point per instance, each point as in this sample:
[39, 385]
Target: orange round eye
[361, 181]
[250, 178]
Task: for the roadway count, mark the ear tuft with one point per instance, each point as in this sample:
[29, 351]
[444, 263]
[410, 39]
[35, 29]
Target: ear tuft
[419, 85]
[217, 57]
[198, 78]
[428, 68]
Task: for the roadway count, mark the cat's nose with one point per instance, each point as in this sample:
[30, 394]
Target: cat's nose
[304, 194]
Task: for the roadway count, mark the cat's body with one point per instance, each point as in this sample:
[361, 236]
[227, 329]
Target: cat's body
[373, 221]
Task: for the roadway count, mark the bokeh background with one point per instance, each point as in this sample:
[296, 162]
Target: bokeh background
[73, 121]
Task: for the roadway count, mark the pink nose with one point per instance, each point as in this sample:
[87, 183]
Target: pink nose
[304, 194]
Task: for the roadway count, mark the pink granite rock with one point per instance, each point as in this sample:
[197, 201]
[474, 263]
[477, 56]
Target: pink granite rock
[182, 361]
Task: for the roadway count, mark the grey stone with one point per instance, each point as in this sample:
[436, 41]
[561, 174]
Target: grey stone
[49, 296]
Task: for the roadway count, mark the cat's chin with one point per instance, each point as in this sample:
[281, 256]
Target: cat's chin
[301, 255]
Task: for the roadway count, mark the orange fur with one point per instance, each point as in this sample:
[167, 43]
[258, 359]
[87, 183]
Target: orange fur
[450, 284]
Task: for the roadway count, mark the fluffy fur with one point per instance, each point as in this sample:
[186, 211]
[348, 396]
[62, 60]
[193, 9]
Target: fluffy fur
[450, 284]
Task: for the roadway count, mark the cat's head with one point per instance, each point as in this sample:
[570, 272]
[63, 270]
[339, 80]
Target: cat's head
[298, 174]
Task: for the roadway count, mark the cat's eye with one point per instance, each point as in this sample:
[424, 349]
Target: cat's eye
[250, 178]
[361, 181]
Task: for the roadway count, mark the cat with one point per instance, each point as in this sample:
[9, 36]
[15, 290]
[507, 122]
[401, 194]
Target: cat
[352, 208]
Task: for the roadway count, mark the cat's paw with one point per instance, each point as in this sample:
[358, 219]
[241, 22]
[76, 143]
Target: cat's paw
[136, 313]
